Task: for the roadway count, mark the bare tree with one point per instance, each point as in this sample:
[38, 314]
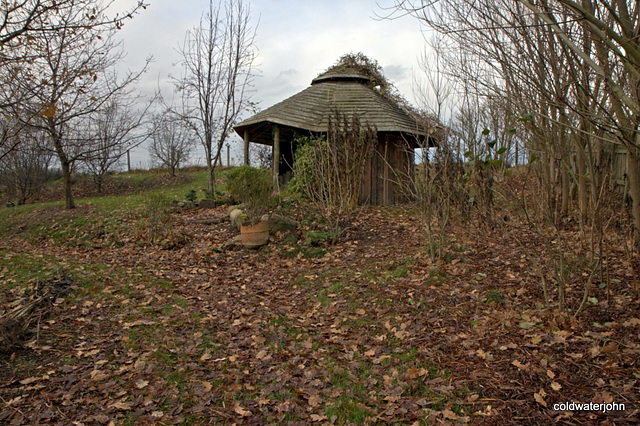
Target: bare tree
[25, 169]
[25, 26]
[574, 65]
[569, 71]
[113, 130]
[76, 71]
[607, 50]
[27, 19]
[171, 141]
[260, 156]
[434, 91]
[217, 56]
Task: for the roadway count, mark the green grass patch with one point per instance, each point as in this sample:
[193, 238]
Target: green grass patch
[99, 217]
[315, 252]
[437, 277]
[347, 410]
[337, 286]
[400, 272]
[182, 302]
[18, 270]
[317, 237]
[494, 296]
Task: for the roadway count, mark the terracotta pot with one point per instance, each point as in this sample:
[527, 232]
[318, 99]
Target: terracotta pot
[254, 236]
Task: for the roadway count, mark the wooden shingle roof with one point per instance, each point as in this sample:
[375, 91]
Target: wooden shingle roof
[343, 89]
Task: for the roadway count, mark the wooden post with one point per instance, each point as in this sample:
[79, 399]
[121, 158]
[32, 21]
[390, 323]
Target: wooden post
[246, 147]
[228, 156]
[129, 161]
[385, 173]
[276, 155]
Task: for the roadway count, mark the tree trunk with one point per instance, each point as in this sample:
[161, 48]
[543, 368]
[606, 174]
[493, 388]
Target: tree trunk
[65, 165]
[564, 211]
[66, 181]
[582, 181]
[246, 147]
[210, 177]
[276, 157]
[98, 181]
[633, 166]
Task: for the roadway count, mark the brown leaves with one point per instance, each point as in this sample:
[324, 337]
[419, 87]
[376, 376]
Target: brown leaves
[98, 375]
[314, 400]
[121, 405]
[241, 411]
[539, 397]
[556, 386]
[521, 366]
[414, 373]
[30, 380]
[141, 384]
[257, 337]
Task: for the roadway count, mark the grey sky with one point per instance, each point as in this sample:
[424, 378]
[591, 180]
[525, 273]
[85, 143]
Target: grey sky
[296, 41]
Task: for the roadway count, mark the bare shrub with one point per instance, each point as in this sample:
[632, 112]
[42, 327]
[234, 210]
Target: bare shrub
[171, 141]
[440, 192]
[328, 170]
[25, 169]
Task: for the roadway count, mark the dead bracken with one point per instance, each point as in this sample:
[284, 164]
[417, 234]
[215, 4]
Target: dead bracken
[23, 317]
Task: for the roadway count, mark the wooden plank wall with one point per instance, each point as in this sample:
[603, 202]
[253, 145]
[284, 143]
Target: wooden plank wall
[389, 173]
[619, 166]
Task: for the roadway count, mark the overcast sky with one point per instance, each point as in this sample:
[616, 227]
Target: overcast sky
[296, 40]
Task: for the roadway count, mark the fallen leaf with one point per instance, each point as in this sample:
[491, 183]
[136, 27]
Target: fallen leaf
[539, 399]
[632, 322]
[509, 346]
[98, 375]
[449, 415]
[315, 400]
[29, 380]
[139, 364]
[379, 360]
[520, 365]
[611, 347]
[141, 384]
[14, 401]
[241, 411]
[121, 405]
[556, 386]
[411, 374]
[138, 323]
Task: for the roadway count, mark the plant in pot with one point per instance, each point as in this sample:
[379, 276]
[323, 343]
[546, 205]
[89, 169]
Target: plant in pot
[252, 187]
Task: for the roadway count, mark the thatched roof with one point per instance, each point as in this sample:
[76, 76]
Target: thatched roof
[341, 88]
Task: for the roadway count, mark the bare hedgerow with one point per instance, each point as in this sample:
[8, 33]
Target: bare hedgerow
[440, 192]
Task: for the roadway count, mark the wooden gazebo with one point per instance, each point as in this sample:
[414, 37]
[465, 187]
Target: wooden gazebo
[348, 91]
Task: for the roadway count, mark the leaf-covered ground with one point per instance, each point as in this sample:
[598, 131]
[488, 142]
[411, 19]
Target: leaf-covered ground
[365, 331]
